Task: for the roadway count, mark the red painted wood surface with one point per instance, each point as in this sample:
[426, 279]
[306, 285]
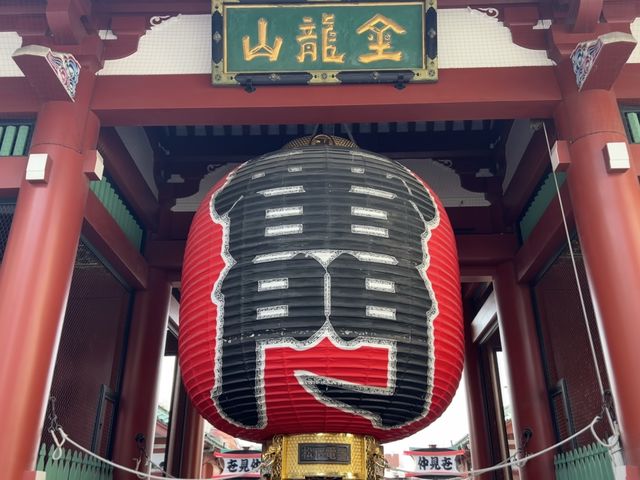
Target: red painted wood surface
[36, 274]
[479, 427]
[138, 395]
[519, 339]
[12, 171]
[104, 233]
[605, 206]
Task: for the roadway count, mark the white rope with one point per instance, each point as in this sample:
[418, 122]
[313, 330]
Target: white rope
[614, 427]
[65, 438]
[472, 473]
[575, 268]
[519, 463]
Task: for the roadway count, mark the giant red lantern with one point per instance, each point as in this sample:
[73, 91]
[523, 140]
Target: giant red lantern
[320, 293]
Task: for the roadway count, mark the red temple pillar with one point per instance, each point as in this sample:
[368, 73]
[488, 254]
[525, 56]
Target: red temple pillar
[479, 426]
[529, 398]
[36, 271]
[605, 206]
[178, 422]
[145, 349]
[193, 443]
[186, 442]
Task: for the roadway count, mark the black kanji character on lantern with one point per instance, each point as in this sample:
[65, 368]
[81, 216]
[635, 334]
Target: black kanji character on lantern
[232, 465]
[289, 260]
[446, 463]
[255, 463]
[423, 463]
[435, 463]
[244, 465]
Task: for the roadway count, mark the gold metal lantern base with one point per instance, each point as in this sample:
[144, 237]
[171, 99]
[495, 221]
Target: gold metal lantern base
[323, 455]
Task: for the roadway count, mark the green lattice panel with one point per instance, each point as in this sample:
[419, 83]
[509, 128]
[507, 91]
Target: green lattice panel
[14, 139]
[118, 210]
[539, 203]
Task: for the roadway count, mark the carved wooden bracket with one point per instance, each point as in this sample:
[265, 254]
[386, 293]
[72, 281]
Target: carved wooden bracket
[597, 64]
[53, 75]
[559, 25]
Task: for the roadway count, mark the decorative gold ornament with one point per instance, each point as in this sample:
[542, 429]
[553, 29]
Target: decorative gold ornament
[320, 139]
[299, 457]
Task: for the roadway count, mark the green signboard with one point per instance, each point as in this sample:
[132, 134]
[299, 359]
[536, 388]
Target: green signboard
[317, 42]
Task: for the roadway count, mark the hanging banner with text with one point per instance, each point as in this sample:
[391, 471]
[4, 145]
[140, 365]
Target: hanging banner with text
[435, 463]
[239, 464]
[346, 42]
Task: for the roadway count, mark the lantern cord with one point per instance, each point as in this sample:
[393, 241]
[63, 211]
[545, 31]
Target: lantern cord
[314, 133]
[606, 404]
[64, 438]
[519, 463]
[349, 134]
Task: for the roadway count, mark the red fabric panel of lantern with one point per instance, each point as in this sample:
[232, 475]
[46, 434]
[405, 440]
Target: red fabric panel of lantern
[324, 326]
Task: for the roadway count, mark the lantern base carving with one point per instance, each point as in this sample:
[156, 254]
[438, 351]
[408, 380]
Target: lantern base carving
[323, 455]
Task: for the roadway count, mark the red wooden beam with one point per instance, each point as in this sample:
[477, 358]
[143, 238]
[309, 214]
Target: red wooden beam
[485, 320]
[626, 86]
[102, 231]
[494, 93]
[165, 254]
[545, 240]
[491, 250]
[525, 92]
[199, 7]
[466, 220]
[635, 157]
[584, 15]
[17, 98]
[12, 171]
[534, 163]
[121, 167]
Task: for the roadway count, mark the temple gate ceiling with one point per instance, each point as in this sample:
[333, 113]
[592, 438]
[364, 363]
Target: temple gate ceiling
[464, 160]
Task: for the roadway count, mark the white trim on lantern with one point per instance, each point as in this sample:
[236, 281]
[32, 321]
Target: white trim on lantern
[370, 230]
[374, 192]
[379, 285]
[276, 311]
[278, 230]
[273, 284]
[272, 192]
[381, 312]
[369, 213]
[283, 212]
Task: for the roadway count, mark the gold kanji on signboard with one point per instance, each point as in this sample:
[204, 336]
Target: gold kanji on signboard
[379, 27]
[262, 49]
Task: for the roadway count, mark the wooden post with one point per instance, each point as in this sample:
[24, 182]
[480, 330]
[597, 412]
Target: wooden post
[529, 399]
[138, 397]
[479, 425]
[605, 206]
[36, 271]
